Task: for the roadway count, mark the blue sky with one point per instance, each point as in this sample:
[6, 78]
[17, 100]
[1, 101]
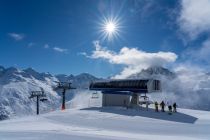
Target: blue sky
[60, 36]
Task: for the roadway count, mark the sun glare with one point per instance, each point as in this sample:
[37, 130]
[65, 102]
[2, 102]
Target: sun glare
[109, 28]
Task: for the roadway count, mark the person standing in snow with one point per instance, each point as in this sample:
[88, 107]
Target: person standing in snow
[156, 106]
[147, 105]
[174, 107]
[162, 105]
[170, 110]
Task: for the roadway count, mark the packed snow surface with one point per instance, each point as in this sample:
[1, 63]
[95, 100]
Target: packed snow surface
[97, 123]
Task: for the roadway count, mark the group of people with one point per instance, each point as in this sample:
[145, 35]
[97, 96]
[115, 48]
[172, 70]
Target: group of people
[171, 108]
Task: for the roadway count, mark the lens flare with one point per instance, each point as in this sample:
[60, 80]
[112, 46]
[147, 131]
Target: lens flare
[110, 28]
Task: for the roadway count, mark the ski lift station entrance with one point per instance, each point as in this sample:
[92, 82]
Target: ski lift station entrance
[126, 92]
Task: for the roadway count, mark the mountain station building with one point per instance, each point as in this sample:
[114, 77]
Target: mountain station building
[126, 92]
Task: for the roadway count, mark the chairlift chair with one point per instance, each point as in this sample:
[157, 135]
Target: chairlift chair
[145, 100]
[43, 99]
[95, 95]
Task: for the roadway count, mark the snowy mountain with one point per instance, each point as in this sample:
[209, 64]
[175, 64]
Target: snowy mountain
[79, 81]
[16, 86]
[188, 89]
[154, 72]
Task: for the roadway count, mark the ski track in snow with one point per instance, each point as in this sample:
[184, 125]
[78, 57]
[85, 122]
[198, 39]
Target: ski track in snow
[108, 123]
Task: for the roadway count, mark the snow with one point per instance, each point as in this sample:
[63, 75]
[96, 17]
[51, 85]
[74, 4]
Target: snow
[16, 86]
[188, 89]
[93, 123]
[96, 123]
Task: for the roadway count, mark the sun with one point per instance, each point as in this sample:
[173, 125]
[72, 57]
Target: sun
[110, 28]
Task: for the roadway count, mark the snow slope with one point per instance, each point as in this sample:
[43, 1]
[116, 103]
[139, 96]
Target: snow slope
[109, 123]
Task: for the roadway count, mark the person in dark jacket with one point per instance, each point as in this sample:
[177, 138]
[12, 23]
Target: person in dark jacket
[156, 106]
[170, 110]
[162, 105]
[174, 107]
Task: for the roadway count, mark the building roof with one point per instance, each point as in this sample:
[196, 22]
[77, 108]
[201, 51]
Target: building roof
[115, 86]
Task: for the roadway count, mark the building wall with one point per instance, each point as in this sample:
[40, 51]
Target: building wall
[115, 100]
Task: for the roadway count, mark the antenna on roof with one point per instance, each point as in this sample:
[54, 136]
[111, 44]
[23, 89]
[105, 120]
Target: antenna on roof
[63, 86]
[40, 96]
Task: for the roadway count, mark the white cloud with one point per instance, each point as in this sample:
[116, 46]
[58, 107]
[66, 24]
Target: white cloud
[198, 54]
[46, 46]
[16, 36]
[190, 88]
[194, 17]
[144, 8]
[205, 51]
[133, 59]
[83, 53]
[60, 50]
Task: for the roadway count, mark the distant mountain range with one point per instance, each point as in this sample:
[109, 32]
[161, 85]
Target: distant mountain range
[79, 81]
[16, 86]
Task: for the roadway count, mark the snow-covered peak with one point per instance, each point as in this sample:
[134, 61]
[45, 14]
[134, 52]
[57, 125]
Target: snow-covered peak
[30, 71]
[79, 81]
[86, 76]
[11, 74]
[12, 70]
[64, 77]
[16, 86]
[154, 72]
[157, 70]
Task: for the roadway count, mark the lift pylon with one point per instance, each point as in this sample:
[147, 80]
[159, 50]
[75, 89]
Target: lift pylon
[64, 86]
[40, 96]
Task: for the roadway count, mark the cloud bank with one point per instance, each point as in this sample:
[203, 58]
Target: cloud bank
[132, 58]
[190, 88]
[194, 17]
[199, 54]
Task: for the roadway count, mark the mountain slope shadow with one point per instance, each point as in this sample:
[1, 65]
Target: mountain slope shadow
[175, 117]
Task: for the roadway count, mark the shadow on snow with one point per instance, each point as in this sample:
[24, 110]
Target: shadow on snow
[142, 112]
